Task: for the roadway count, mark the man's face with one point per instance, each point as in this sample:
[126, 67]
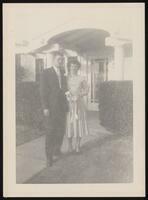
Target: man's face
[59, 61]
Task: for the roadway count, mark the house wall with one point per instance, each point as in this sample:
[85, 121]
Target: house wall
[28, 63]
[127, 69]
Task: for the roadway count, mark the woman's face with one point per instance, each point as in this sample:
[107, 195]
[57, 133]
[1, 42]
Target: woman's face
[74, 69]
[59, 61]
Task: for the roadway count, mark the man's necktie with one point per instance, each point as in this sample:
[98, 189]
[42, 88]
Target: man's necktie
[63, 81]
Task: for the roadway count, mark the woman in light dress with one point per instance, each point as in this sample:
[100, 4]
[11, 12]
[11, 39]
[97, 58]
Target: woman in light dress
[76, 118]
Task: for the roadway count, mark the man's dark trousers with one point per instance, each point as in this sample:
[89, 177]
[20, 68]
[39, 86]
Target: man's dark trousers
[55, 130]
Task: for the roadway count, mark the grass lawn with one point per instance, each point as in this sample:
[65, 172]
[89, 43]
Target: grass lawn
[26, 133]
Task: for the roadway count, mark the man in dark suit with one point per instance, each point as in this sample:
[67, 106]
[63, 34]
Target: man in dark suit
[53, 86]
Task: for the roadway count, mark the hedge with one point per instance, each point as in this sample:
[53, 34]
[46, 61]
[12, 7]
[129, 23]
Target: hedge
[28, 105]
[116, 105]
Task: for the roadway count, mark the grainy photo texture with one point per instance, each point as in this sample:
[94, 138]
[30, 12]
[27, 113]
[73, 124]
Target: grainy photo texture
[74, 80]
[74, 100]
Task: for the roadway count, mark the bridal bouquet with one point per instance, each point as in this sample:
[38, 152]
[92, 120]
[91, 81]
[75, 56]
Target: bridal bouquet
[70, 96]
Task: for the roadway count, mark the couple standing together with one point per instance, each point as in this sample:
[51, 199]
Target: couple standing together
[63, 106]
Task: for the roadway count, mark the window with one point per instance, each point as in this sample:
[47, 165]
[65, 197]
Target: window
[39, 68]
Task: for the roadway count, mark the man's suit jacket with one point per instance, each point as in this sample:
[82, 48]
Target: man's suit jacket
[52, 96]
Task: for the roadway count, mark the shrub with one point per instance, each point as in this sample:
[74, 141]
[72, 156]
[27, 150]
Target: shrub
[28, 105]
[116, 105]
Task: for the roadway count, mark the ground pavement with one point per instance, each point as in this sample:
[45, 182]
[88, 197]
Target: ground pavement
[105, 158]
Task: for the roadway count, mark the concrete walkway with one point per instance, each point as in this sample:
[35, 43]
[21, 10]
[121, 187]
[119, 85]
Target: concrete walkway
[105, 157]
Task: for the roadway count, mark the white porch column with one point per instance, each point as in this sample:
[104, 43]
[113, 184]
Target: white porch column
[119, 62]
[118, 55]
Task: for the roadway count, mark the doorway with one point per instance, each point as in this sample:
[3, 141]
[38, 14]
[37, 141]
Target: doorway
[98, 74]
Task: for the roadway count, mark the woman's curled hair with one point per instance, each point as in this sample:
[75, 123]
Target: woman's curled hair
[75, 62]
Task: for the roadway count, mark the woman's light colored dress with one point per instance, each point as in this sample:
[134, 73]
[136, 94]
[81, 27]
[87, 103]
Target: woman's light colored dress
[76, 118]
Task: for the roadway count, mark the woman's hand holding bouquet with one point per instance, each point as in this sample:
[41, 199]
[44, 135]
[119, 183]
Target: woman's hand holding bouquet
[71, 96]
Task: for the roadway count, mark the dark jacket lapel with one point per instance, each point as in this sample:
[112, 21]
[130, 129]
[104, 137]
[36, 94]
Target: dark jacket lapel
[55, 78]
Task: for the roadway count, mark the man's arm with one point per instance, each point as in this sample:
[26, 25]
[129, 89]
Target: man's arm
[44, 93]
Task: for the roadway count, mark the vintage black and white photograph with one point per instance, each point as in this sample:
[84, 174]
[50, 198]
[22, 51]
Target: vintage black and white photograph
[74, 73]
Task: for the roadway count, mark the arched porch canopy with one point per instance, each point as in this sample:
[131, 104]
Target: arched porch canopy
[85, 41]
[95, 27]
